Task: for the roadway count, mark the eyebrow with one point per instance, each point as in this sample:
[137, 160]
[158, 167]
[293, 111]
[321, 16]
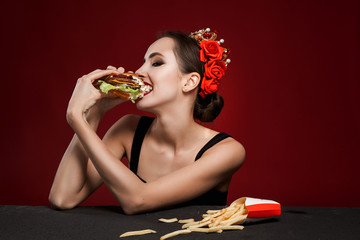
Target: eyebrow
[154, 54]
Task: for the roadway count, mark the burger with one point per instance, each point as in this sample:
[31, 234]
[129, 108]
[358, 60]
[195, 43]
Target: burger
[127, 85]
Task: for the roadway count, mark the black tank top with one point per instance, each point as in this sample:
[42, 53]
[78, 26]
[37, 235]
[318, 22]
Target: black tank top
[212, 197]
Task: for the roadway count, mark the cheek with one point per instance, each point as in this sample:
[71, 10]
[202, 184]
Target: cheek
[167, 80]
[166, 89]
[166, 92]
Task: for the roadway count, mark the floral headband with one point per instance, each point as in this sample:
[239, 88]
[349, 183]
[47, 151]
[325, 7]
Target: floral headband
[215, 58]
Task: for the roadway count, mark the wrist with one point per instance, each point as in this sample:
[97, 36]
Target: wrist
[73, 116]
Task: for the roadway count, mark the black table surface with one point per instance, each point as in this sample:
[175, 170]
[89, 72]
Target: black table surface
[108, 222]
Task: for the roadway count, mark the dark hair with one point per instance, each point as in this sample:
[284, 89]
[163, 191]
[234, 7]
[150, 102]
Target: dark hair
[187, 53]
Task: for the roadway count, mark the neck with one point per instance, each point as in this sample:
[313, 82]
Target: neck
[177, 128]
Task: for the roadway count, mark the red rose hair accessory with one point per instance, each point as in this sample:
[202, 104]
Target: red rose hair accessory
[215, 58]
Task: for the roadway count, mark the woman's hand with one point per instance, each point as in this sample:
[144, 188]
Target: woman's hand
[86, 97]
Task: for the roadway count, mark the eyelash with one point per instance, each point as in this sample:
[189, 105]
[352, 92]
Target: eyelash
[157, 64]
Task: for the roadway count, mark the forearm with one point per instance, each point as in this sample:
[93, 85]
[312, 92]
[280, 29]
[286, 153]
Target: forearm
[71, 175]
[119, 179]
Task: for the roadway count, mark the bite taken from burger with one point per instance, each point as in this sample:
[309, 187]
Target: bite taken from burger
[127, 85]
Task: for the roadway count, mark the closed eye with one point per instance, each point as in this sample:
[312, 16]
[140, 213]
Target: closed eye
[157, 64]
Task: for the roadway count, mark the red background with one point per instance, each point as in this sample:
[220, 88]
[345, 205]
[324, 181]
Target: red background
[291, 91]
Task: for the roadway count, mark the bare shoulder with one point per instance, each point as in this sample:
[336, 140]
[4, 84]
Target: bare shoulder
[228, 151]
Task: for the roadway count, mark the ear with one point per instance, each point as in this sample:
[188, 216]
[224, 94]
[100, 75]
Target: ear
[192, 80]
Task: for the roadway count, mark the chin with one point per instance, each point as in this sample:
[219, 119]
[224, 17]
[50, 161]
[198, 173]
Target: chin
[145, 104]
[141, 106]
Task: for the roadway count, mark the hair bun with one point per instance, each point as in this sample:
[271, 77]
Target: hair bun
[208, 108]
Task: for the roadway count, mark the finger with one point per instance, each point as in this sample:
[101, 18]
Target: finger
[99, 74]
[97, 70]
[121, 69]
[110, 67]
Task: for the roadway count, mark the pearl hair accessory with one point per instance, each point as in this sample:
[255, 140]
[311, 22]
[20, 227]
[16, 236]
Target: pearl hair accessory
[214, 58]
[205, 35]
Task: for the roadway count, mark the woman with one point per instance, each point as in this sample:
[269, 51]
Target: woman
[173, 166]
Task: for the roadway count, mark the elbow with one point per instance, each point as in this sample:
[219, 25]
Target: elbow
[134, 206]
[129, 211]
[60, 203]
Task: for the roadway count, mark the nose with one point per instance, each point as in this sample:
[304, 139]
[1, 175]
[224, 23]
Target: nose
[140, 72]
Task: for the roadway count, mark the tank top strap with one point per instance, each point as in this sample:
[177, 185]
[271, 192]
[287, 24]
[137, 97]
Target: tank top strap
[217, 138]
[140, 132]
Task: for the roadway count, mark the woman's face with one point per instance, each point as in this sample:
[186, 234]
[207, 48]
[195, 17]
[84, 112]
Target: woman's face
[161, 70]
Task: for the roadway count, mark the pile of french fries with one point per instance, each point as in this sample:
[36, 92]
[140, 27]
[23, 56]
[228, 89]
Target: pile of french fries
[217, 221]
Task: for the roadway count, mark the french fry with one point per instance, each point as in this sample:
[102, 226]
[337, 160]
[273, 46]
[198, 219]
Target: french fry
[190, 220]
[206, 230]
[205, 219]
[170, 220]
[231, 212]
[218, 228]
[187, 225]
[201, 224]
[235, 215]
[236, 220]
[212, 211]
[140, 232]
[218, 221]
[175, 233]
[219, 213]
